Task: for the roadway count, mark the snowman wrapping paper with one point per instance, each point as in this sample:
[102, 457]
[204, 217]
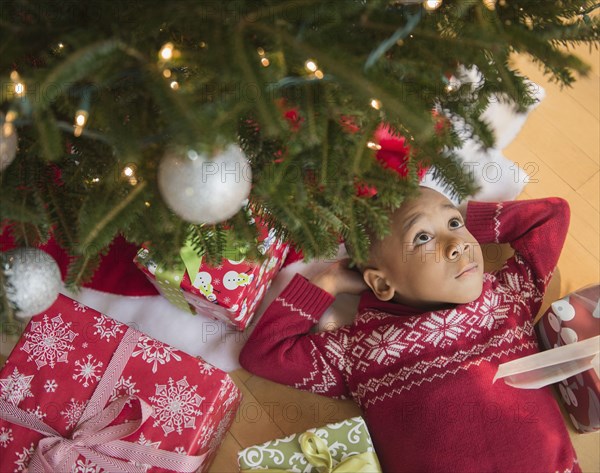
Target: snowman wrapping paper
[230, 291]
[573, 318]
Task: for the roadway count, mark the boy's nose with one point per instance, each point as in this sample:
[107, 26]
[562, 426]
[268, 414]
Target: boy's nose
[456, 248]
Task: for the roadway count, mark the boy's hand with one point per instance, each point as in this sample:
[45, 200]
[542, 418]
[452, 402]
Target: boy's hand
[338, 279]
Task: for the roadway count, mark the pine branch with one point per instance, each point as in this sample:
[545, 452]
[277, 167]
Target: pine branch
[94, 235]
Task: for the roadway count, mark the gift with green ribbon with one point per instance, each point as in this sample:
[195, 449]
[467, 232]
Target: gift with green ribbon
[230, 291]
[343, 447]
[169, 279]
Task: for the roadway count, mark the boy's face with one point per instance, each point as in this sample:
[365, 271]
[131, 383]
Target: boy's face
[429, 259]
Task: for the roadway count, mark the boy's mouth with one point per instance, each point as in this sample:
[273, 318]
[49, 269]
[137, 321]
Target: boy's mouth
[468, 269]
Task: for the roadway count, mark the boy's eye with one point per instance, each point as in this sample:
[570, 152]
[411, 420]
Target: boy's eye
[455, 222]
[421, 238]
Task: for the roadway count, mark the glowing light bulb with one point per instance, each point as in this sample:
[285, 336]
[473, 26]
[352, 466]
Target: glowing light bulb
[432, 4]
[265, 62]
[7, 130]
[128, 171]
[60, 45]
[311, 65]
[374, 146]
[376, 104]
[174, 85]
[319, 74]
[167, 73]
[260, 51]
[490, 4]
[81, 118]
[166, 52]
[20, 89]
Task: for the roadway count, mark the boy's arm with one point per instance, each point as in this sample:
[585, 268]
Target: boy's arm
[536, 229]
[282, 349]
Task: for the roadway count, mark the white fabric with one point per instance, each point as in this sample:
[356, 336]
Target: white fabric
[220, 344]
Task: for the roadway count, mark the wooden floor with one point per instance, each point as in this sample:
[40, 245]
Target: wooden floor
[561, 141]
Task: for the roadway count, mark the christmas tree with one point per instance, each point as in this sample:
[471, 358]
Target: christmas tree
[128, 117]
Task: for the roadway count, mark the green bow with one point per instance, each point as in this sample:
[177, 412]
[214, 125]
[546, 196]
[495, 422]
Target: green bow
[317, 453]
[170, 279]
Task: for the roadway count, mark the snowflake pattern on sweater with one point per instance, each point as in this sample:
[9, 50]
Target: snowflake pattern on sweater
[424, 380]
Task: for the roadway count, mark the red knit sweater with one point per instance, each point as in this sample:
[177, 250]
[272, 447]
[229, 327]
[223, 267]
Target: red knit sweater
[424, 380]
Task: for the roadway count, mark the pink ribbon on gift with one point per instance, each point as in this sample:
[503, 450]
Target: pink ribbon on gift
[93, 437]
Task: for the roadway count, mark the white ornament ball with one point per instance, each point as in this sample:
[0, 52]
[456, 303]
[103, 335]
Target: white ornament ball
[204, 190]
[32, 280]
[8, 144]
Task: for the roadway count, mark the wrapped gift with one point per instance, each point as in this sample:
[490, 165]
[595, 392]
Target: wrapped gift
[574, 318]
[344, 446]
[81, 392]
[231, 291]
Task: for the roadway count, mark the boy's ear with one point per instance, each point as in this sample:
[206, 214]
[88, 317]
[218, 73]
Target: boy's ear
[376, 280]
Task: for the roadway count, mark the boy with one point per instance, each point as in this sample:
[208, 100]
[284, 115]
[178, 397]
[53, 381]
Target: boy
[429, 335]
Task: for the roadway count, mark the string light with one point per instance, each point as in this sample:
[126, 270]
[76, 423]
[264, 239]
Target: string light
[432, 4]
[81, 117]
[19, 86]
[260, 51]
[129, 173]
[60, 45]
[147, 204]
[373, 146]
[490, 4]
[167, 73]
[10, 116]
[20, 89]
[265, 62]
[311, 65]
[376, 104]
[166, 52]
[319, 74]
[174, 85]
[7, 129]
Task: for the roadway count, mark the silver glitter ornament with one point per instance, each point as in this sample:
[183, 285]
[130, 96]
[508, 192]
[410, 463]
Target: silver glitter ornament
[8, 143]
[32, 280]
[200, 189]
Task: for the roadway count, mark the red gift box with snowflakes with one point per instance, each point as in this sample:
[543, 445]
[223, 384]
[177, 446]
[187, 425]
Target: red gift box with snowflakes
[573, 318]
[230, 292]
[73, 361]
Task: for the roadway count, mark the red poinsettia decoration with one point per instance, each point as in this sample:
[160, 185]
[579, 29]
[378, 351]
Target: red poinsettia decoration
[395, 152]
[293, 118]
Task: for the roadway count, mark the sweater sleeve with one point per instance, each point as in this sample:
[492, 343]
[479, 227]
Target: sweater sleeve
[282, 349]
[536, 229]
